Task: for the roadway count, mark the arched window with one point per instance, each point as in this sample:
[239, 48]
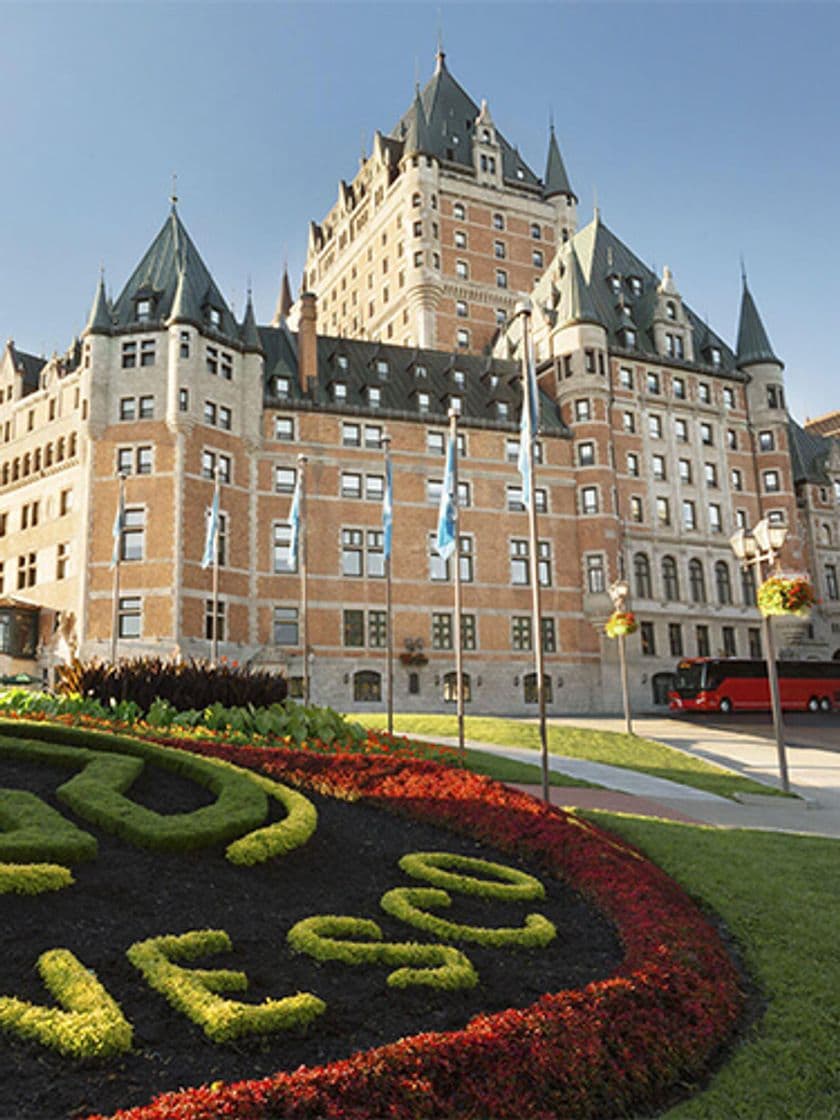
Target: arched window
[696, 581]
[723, 583]
[450, 687]
[826, 534]
[748, 586]
[416, 199]
[48, 455]
[641, 570]
[670, 579]
[367, 685]
[529, 682]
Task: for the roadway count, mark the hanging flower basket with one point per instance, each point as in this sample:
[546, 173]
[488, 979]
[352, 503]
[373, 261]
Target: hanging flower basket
[786, 595]
[413, 658]
[621, 622]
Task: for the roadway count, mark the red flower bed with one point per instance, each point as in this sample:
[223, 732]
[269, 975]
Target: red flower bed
[615, 1047]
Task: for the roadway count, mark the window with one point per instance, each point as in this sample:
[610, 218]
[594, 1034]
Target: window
[353, 628]
[658, 462]
[501, 278]
[462, 338]
[61, 560]
[748, 586]
[129, 355]
[696, 581]
[723, 585]
[377, 629]
[589, 499]
[462, 309]
[653, 383]
[728, 397]
[184, 349]
[706, 435]
[754, 639]
[128, 408]
[678, 387]
[517, 505]
[144, 460]
[183, 400]
[681, 430]
[65, 504]
[589, 360]
[225, 418]
[147, 352]
[133, 537]
[520, 633]
[352, 552]
[675, 639]
[655, 427]
[737, 479]
[689, 514]
[582, 410]
[775, 396]
[351, 484]
[702, 637]
[462, 270]
[374, 396]
[628, 422]
[636, 510]
[217, 621]
[129, 614]
[586, 454]
[648, 636]
[375, 487]
[715, 355]
[284, 428]
[663, 511]
[595, 575]
[728, 635]
[831, 586]
[766, 441]
[771, 482]
[211, 461]
[731, 439]
[633, 464]
[685, 470]
[285, 626]
[27, 574]
[367, 686]
[519, 554]
[625, 377]
[459, 212]
[375, 554]
[641, 571]
[715, 522]
[285, 479]
[670, 579]
[450, 688]
[282, 560]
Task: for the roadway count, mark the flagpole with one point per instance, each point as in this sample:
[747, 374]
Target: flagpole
[387, 531]
[304, 606]
[528, 391]
[459, 654]
[214, 629]
[117, 556]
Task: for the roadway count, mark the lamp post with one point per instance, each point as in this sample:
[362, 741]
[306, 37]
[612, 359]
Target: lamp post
[618, 592]
[751, 547]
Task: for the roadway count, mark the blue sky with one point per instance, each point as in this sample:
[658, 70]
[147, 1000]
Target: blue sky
[708, 131]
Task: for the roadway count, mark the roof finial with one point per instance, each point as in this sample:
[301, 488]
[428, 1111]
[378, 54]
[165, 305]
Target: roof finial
[173, 198]
[596, 209]
[551, 118]
[440, 57]
[743, 272]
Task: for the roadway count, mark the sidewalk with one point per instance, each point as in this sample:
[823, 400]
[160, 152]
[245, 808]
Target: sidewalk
[814, 776]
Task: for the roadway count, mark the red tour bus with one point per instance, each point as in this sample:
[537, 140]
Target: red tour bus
[712, 684]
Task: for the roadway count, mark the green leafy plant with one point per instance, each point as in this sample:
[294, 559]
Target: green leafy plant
[30, 829]
[325, 937]
[195, 991]
[89, 1023]
[33, 878]
[782, 595]
[444, 870]
[410, 904]
[621, 623]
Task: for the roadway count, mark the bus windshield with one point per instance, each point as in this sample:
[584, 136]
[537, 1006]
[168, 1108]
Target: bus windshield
[690, 677]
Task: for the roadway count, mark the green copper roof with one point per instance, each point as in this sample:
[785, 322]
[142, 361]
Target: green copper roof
[99, 320]
[753, 343]
[556, 179]
[284, 300]
[248, 332]
[417, 136]
[158, 277]
[809, 455]
[450, 117]
[578, 307]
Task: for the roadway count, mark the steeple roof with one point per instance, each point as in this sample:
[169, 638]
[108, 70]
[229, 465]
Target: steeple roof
[248, 332]
[284, 300]
[417, 136]
[450, 118]
[172, 262]
[753, 343]
[556, 180]
[579, 307]
[99, 320]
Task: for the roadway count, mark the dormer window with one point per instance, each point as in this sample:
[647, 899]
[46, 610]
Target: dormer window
[423, 402]
[485, 136]
[635, 285]
[520, 174]
[341, 361]
[215, 317]
[715, 355]
[281, 386]
[374, 396]
[502, 410]
[674, 346]
[458, 376]
[144, 310]
[340, 391]
[628, 337]
[382, 367]
[614, 283]
[671, 309]
[420, 371]
[455, 405]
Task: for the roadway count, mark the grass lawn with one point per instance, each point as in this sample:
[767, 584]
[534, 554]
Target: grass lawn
[614, 748]
[780, 897]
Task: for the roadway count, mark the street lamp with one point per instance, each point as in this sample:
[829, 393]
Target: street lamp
[618, 592]
[751, 547]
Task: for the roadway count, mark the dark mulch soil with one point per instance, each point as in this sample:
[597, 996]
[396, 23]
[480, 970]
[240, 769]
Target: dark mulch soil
[349, 863]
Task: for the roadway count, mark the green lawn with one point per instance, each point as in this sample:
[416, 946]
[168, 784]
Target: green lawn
[780, 897]
[612, 747]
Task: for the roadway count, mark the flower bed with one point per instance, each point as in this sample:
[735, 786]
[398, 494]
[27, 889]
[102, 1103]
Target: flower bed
[619, 1045]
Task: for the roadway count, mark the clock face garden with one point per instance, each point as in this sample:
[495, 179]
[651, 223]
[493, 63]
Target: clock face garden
[130, 905]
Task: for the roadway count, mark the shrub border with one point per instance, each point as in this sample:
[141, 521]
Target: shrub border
[619, 1045]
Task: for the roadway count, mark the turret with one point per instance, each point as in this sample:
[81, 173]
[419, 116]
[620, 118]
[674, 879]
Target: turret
[756, 357]
[557, 189]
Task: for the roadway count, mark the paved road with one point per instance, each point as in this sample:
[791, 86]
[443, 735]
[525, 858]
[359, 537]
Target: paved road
[802, 729]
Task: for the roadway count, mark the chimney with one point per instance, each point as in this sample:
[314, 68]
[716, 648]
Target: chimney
[307, 341]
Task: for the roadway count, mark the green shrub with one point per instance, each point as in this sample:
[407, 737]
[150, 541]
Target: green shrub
[324, 937]
[91, 1024]
[194, 991]
[33, 878]
[511, 885]
[188, 684]
[409, 904]
[30, 829]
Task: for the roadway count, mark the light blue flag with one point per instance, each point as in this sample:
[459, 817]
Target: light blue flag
[528, 425]
[210, 541]
[388, 508]
[445, 543]
[294, 521]
[116, 532]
